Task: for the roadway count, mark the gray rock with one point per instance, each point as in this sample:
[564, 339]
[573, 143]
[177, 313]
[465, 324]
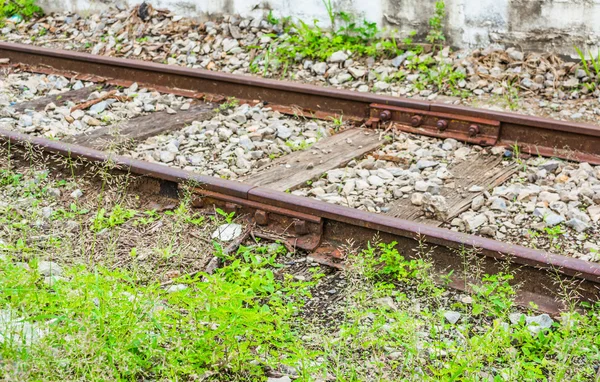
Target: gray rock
[515, 317]
[51, 280]
[386, 303]
[435, 205]
[283, 131]
[549, 197]
[78, 85]
[422, 186]
[46, 212]
[498, 204]
[176, 288]
[452, 316]
[572, 82]
[398, 60]
[285, 378]
[99, 107]
[575, 213]
[376, 181]
[18, 330]
[594, 212]
[167, 156]
[344, 77]
[516, 55]
[527, 82]
[477, 202]
[381, 85]
[551, 219]
[356, 73]
[384, 174]
[227, 232]
[423, 164]
[49, 268]
[416, 199]
[319, 68]
[577, 224]
[77, 194]
[536, 324]
[230, 44]
[25, 120]
[474, 222]
[339, 56]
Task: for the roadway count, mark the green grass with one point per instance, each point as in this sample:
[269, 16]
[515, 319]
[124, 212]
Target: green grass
[134, 302]
[101, 324]
[591, 66]
[23, 8]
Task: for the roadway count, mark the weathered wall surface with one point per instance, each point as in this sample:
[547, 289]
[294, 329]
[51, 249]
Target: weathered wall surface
[555, 25]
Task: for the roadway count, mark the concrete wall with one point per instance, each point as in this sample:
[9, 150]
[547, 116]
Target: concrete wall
[551, 25]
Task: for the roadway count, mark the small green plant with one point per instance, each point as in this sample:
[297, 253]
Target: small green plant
[436, 31]
[554, 232]
[23, 8]
[272, 19]
[117, 216]
[338, 122]
[9, 178]
[227, 216]
[230, 103]
[591, 66]
[71, 213]
[298, 145]
[511, 96]
[494, 295]
[516, 153]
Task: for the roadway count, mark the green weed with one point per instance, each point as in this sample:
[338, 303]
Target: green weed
[436, 24]
[24, 8]
[591, 66]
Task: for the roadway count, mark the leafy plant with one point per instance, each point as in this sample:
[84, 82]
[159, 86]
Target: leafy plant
[591, 67]
[272, 19]
[24, 8]
[297, 145]
[436, 31]
[229, 103]
[117, 216]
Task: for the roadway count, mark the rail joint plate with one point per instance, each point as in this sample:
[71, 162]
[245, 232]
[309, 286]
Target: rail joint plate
[478, 131]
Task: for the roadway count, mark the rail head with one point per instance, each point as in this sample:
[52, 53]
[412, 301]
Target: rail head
[536, 135]
[375, 222]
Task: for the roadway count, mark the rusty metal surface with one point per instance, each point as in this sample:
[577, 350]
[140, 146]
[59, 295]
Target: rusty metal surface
[138, 167]
[433, 235]
[577, 141]
[469, 129]
[244, 87]
[258, 206]
[337, 224]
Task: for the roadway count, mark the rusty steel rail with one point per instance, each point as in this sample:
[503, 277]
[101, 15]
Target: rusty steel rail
[533, 135]
[326, 225]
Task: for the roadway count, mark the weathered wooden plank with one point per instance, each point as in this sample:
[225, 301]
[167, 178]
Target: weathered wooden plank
[75, 96]
[485, 171]
[143, 127]
[294, 170]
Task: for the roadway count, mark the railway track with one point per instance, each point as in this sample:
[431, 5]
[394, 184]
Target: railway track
[309, 224]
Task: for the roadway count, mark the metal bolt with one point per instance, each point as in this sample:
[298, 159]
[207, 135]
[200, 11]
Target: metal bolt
[385, 115]
[442, 124]
[416, 120]
[473, 130]
[300, 227]
[231, 207]
[197, 202]
[261, 217]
